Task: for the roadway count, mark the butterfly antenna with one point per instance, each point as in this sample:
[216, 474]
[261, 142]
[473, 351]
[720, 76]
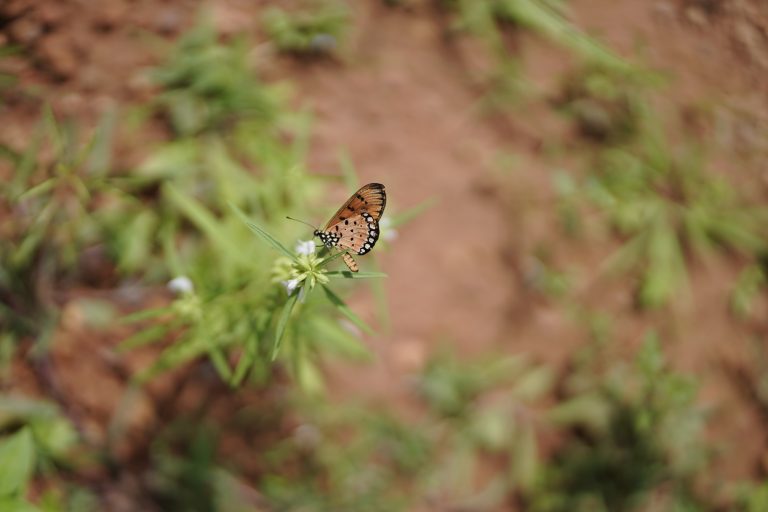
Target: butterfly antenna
[297, 220]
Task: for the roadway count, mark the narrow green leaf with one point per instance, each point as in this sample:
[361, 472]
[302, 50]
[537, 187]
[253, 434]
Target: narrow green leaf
[246, 360]
[17, 454]
[283, 322]
[194, 343]
[201, 217]
[16, 408]
[168, 243]
[524, 458]
[27, 162]
[99, 158]
[145, 337]
[39, 189]
[308, 376]
[332, 336]
[346, 274]
[344, 309]
[219, 361]
[330, 258]
[145, 314]
[261, 232]
[413, 212]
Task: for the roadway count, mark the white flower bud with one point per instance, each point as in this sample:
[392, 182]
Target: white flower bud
[181, 285]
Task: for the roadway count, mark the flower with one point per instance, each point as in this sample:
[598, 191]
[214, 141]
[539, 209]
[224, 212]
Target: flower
[290, 285]
[181, 285]
[307, 247]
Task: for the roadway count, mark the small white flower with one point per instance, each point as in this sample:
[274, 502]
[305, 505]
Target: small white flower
[181, 285]
[307, 247]
[290, 285]
[387, 232]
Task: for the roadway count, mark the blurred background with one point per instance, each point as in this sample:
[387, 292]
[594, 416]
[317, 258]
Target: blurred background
[566, 310]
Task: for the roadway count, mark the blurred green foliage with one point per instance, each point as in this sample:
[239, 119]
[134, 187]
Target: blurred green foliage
[657, 193]
[635, 435]
[206, 207]
[237, 162]
[667, 205]
[317, 28]
[47, 221]
[39, 441]
[607, 104]
[208, 86]
[492, 21]
[7, 79]
[377, 469]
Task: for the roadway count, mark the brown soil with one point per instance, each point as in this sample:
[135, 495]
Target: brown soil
[409, 115]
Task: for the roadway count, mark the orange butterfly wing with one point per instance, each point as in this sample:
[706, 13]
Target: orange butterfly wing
[371, 198]
[355, 226]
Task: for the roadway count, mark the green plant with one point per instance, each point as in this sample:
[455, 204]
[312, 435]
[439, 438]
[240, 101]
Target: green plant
[491, 20]
[208, 86]
[253, 307]
[316, 29]
[666, 206]
[607, 104]
[39, 443]
[634, 432]
[238, 154]
[484, 415]
[47, 221]
[379, 469]
[751, 282]
[753, 497]
[542, 16]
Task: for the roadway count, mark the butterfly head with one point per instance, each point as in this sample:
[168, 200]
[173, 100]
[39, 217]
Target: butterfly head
[328, 239]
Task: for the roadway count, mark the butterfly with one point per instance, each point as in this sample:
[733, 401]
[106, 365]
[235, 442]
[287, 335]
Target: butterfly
[355, 227]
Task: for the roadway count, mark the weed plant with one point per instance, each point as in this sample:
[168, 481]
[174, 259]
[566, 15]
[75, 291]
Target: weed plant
[46, 222]
[236, 163]
[37, 440]
[634, 437]
[608, 105]
[668, 206]
[491, 21]
[316, 29]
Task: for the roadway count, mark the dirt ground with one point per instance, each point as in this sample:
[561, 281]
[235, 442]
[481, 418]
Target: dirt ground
[408, 113]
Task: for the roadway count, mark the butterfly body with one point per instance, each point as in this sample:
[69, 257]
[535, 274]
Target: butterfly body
[355, 226]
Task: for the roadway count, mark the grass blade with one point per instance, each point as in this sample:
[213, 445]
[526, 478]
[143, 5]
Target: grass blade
[18, 455]
[145, 314]
[246, 361]
[261, 232]
[283, 322]
[346, 274]
[413, 212]
[344, 309]
[203, 219]
[220, 363]
[144, 337]
[330, 258]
